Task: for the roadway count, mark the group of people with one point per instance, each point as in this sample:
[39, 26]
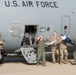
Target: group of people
[58, 47]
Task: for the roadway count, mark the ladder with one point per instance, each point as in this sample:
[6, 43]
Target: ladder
[29, 54]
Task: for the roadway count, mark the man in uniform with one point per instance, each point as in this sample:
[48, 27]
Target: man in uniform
[74, 62]
[63, 50]
[54, 47]
[41, 51]
[1, 46]
[74, 53]
[27, 40]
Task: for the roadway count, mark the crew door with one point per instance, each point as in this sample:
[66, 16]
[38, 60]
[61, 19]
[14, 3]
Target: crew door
[32, 31]
[65, 25]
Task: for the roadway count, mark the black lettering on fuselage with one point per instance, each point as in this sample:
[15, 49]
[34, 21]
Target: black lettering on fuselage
[15, 3]
[46, 4]
[37, 3]
[42, 4]
[7, 3]
[55, 4]
[51, 4]
[30, 3]
[23, 4]
[27, 4]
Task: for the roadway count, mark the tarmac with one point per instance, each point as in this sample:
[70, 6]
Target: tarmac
[18, 66]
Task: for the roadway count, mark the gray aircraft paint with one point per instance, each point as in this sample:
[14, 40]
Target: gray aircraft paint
[15, 14]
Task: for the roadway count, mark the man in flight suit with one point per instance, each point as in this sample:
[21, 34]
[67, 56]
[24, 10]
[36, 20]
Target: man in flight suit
[41, 51]
[74, 53]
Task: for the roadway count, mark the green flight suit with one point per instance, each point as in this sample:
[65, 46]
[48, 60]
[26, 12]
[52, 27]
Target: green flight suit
[74, 62]
[41, 52]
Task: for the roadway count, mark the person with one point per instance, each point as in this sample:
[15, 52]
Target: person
[63, 50]
[54, 46]
[1, 46]
[27, 40]
[41, 50]
[73, 42]
[74, 61]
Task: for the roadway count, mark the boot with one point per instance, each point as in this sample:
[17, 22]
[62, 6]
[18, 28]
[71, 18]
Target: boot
[61, 63]
[73, 63]
[66, 62]
[54, 62]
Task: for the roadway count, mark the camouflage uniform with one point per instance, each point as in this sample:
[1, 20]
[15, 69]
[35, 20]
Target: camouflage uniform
[1, 47]
[63, 51]
[41, 52]
[54, 48]
[27, 40]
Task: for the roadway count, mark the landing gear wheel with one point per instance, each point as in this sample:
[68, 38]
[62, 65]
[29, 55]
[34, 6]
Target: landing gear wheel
[1, 57]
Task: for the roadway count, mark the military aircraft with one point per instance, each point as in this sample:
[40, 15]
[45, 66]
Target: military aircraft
[36, 17]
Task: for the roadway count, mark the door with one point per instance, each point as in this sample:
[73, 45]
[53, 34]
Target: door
[32, 31]
[65, 25]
